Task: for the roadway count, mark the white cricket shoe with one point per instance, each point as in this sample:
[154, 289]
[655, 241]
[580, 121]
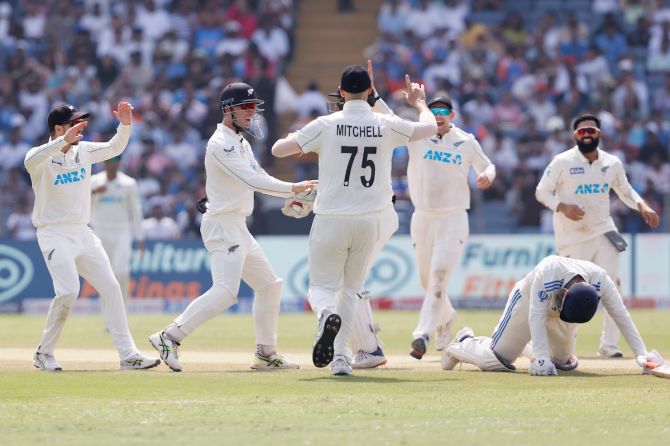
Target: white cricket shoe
[448, 361]
[609, 352]
[273, 362]
[340, 366]
[167, 348]
[365, 360]
[139, 362]
[46, 362]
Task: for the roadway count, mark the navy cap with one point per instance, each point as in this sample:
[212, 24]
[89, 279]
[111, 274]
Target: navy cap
[441, 100]
[355, 79]
[64, 114]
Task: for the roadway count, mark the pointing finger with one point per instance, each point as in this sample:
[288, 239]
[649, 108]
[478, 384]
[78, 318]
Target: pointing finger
[408, 83]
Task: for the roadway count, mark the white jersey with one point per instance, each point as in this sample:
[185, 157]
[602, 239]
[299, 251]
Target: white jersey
[355, 148]
[118, 208]
[543, 285]
[438, 169]
[62, 181]
[571, 179]
[233, 174]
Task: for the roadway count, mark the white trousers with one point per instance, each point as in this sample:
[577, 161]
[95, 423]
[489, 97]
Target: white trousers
[118, 246]
[340, 252]
[512, 333]
[363, 335]
[234, 254]
[438, 242]
[70, 251]
[600, 251]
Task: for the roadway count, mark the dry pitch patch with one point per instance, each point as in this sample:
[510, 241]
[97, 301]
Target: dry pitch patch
[81, 360]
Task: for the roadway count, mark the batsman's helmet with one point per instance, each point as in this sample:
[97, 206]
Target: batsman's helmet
[580, 303]
[239, 93]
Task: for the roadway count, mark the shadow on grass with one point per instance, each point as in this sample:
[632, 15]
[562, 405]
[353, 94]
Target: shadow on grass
[371, 379]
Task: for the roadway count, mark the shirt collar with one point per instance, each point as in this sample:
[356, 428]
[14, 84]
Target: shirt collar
[583, 159]
[225, 129]
[357, 105]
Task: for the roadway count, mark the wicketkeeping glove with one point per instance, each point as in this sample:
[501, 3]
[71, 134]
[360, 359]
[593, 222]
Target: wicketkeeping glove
[542, 367]
[300, 205]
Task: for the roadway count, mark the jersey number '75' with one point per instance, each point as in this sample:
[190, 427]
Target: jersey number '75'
[353, 151]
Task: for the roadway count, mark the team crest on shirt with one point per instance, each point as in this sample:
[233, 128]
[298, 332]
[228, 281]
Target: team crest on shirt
[542, 296]
[458, 144]
[232, 149]
[576, 171]
[604, 169]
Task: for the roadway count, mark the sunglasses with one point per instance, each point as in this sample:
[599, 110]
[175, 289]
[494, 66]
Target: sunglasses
[587, 131]
[440, 111]
[247, 106]
[76, 121]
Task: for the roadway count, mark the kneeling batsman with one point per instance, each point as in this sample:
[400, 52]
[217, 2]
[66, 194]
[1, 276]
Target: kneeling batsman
[545, 307]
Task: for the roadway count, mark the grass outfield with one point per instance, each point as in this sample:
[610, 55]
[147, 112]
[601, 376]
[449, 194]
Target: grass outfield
[218, 400]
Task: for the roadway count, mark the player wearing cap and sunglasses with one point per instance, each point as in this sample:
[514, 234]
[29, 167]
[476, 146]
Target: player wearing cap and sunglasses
[60, 171]
[545, 307]
[437, 175]
[355, 148]
[576, 187]
[233, 175]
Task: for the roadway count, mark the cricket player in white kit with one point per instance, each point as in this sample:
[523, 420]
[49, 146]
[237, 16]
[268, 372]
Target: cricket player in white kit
[437, 175]
[233, 174]
[116, 218]
[355, 148]
[576, 186]
[546, 307]
[60, 171]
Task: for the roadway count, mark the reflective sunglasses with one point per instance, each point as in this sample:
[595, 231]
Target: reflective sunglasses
[247, 106]
[440, 111]
[76, 121]
[587, 131]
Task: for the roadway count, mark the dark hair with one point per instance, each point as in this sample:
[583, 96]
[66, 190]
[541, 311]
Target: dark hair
[583, 118]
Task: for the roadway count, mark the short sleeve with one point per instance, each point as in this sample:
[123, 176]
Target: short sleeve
[309, 138]
[400, 130]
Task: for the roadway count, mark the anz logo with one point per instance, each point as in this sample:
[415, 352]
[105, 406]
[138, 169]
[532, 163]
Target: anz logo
[594, 188]
[70, 177]
[445, 157]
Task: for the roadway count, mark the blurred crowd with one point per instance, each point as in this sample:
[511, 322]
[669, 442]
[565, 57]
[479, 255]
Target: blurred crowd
[169, 58]
[519, 71]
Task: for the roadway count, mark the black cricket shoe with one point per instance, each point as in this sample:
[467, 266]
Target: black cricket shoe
[323, 351]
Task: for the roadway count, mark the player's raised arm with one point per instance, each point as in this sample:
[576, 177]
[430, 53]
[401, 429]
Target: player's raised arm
[114, 147]
[72, 136]
[415, 95]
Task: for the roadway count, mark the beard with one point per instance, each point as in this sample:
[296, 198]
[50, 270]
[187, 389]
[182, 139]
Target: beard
[588, 147]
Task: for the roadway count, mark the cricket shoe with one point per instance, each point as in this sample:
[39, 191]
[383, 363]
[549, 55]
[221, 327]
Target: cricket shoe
[139, 362]
[46, 362]
[340, 366]
[167, 348]
[609, 352]
[273, 362]
[419, 347]
[365, 360]
[323, 350]
[568, 365]
[443, 336]
[448, 361]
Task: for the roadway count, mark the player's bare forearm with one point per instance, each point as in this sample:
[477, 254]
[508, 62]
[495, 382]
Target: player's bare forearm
[286, 147]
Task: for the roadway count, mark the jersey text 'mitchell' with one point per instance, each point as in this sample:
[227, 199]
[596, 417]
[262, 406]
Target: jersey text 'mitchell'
[368, 131]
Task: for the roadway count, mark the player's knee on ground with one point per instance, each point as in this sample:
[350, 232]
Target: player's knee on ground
[477, 351]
